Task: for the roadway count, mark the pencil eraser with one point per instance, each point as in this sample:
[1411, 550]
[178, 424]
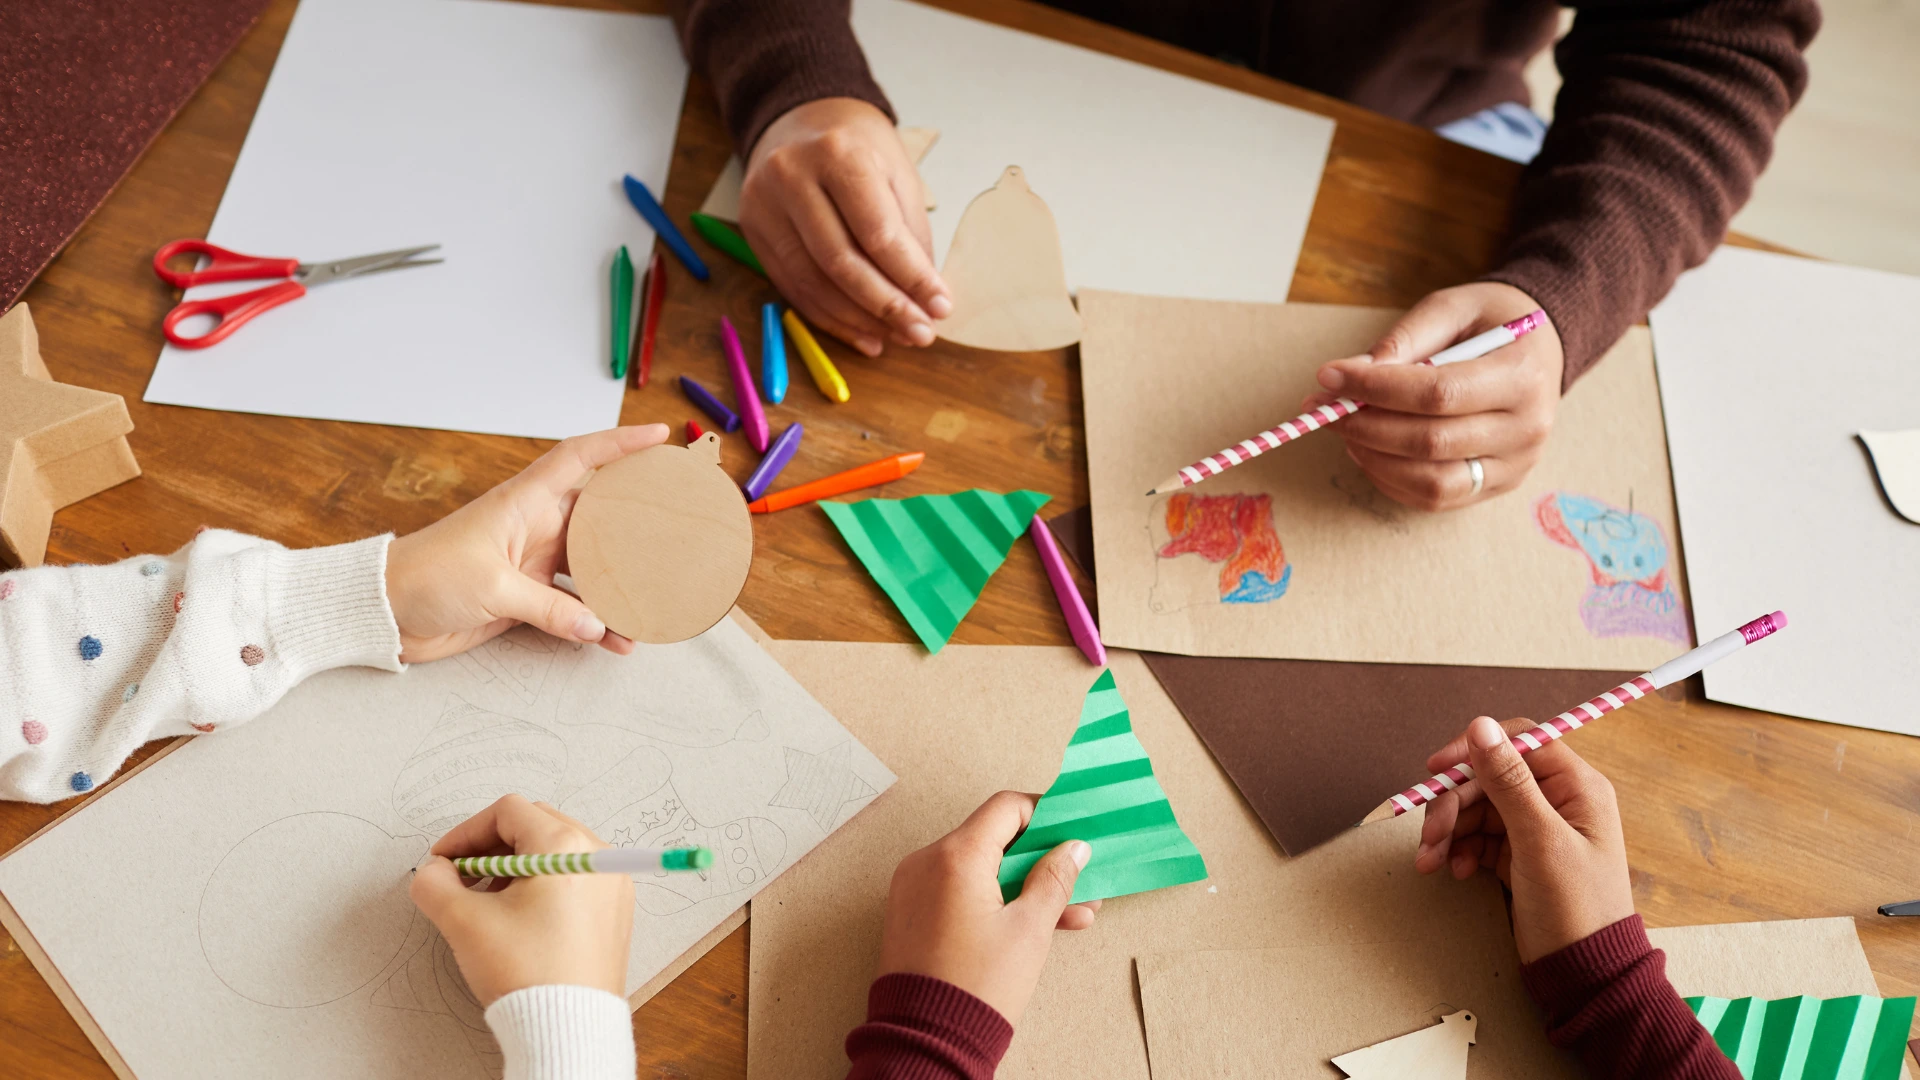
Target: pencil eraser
[1779, 620]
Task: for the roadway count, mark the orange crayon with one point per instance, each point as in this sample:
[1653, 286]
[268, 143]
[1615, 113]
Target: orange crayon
[865, 476]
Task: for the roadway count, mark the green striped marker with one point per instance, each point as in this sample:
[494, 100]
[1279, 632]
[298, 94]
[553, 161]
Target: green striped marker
[607, 861]
[1808, 1038]
[1106, 795]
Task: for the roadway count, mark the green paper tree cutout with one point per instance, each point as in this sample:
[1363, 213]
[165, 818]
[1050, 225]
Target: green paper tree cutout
[934, 553]
[1809, 1038]
[1106, 795]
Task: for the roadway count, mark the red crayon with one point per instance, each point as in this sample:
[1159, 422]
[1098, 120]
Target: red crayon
[694, 430]
[650, 315]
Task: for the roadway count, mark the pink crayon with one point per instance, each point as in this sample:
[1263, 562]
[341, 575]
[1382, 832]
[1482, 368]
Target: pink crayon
[1634, 689]
[753, 419]
[1314, 419]
[1079, 620]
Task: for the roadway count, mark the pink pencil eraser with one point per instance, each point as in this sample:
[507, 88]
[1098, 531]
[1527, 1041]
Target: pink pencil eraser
[1779, 620]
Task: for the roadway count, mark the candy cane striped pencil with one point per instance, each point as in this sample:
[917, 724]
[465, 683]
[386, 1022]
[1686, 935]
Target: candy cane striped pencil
[605, 861]
[1580, 715]
[1313, 420]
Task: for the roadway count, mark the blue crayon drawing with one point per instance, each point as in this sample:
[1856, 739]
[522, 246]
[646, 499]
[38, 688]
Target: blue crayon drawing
[1631, 593]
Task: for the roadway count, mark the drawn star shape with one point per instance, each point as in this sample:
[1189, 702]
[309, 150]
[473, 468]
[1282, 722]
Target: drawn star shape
[650, 819]
[41, 422]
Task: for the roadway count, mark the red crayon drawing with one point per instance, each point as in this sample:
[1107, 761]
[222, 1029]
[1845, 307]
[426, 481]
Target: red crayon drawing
[1236, 530]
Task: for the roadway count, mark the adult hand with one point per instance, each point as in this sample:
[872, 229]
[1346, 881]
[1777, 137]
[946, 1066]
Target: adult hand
[834, 209]
[556, 929]
[489, 565]
[1546, 822]
[1422, 423]
[945, 917]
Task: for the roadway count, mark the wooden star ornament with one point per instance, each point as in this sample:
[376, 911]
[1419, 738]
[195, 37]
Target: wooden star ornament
[58, 443]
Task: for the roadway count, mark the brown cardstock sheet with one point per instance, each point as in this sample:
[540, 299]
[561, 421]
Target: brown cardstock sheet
[1315, 744]
[972, 720]
[1285, 1012]
[85, 85]
[1167, 381]
[1282, 1014]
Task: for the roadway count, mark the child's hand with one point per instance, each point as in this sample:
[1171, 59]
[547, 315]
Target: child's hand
[476, 572]
[945, 917]
[556, 929]
[1545, 822]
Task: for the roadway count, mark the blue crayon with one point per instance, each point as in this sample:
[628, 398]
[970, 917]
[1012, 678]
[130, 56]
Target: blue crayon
[725, 417]
[643, 201]
[776, 459]
[773, 355]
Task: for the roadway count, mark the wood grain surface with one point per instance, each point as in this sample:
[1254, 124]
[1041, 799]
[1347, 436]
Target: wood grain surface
[1730, 814]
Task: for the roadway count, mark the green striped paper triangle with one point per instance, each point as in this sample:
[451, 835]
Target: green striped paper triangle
[1808, 1038]
[1107, 796]
[934, 553]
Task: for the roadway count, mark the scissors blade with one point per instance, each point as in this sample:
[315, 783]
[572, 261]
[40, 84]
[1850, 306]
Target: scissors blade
[320, 273]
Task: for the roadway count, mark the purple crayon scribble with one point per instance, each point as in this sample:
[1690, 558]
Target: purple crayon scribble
[1632, 593]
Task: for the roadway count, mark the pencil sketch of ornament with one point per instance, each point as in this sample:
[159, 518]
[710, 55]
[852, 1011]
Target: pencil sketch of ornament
[746, 850]
[470, 758]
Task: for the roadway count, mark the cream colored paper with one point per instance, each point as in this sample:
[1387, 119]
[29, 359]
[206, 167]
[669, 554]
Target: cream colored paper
[975, 719]
[240, 908]
[1286, 1013]
[1167, 382]
[1769, 366]
[1896, 461]
[1160, 183]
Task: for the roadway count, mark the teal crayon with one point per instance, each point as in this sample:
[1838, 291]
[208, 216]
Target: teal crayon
[773, 355]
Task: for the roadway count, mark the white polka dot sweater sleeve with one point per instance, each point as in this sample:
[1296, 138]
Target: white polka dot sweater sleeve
[96, 660]
[564, 1033]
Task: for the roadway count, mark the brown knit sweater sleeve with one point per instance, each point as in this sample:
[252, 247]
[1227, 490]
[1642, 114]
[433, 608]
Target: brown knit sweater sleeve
[1665, 117]
[763, 57]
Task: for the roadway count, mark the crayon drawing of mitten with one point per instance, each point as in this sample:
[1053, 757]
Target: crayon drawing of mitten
[1631, 593]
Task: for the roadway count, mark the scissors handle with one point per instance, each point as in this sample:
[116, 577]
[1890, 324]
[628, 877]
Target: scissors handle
[232, 311]
[222, 265]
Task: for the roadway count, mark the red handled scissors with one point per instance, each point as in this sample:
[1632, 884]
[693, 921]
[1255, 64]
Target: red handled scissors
[233, 311]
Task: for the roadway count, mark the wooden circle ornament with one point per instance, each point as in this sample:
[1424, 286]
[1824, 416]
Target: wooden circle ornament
[660, 542]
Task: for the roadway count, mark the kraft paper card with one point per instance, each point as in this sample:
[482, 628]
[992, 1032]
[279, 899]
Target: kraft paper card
[1106, 795]
[978, 719]
[1314, 745]
[169, 911]
[932, 554]
[1809, 1038]
[1755, 350]
[71, 133]
[1297, 556]
[1286, 1013]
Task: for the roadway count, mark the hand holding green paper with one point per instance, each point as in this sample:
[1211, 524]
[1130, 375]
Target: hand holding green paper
[1106, 795]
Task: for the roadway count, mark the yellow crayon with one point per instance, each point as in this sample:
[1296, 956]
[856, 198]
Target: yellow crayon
[825, 375]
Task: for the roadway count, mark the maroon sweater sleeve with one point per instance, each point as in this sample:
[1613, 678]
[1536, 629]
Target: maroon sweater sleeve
[763, 57]
[921, 1028]
[1665, 117]
[1608, 1000]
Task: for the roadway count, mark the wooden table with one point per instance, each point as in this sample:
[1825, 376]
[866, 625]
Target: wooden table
[1731, 814]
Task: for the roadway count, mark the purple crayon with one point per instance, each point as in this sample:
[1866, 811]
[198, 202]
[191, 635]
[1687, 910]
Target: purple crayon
[752, 417]
[777, 457]
[710, 405]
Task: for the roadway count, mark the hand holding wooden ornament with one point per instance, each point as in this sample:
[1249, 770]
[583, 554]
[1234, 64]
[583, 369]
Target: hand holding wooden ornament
[660, 542]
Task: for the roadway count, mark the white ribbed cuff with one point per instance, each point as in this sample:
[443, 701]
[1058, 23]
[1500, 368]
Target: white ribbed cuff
[329, 607]
[564, 1033]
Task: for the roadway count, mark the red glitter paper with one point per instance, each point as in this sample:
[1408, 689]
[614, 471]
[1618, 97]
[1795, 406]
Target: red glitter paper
[85, 85]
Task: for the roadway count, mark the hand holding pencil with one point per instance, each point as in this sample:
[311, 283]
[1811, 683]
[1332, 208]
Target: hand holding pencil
[563, 929]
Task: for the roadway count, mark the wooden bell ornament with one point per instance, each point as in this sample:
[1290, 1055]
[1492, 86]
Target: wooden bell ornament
[660, 542]
[58, 443]
[1005, 272]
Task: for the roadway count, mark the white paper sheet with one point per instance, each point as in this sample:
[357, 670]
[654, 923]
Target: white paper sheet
[1769, 366]
[499, 131]
[240, 907]
[1161, 184]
